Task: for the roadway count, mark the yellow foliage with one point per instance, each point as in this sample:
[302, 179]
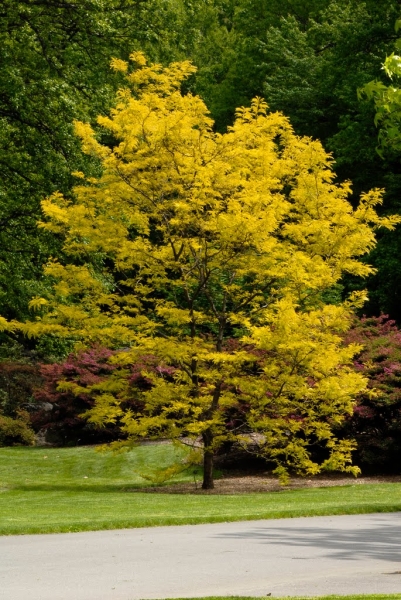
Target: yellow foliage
[213, 253]
[8, 325]
[37, 303]
[119, 65]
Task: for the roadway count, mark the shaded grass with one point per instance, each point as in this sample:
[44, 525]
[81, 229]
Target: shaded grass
[84, 467]
[78, 489]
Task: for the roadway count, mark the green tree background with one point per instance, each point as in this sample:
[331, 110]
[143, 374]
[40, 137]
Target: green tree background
[306, 58]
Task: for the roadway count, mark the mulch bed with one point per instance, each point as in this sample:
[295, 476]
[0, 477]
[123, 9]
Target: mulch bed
[243, 484]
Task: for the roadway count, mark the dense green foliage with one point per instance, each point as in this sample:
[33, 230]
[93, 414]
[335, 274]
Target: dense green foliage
[307, 58]
[16, 431]
[54, 59]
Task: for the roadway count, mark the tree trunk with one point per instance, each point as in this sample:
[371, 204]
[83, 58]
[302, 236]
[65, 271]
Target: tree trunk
[208, 483]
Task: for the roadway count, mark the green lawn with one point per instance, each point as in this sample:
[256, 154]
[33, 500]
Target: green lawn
[78, 489]
[353, 597]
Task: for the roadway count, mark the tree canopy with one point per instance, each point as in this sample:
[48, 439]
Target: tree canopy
[174, 228]
[54, 68]
[306, 59]
[215, 254]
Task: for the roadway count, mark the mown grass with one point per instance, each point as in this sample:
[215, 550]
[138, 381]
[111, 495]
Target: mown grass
[352, 597]
[78, 489]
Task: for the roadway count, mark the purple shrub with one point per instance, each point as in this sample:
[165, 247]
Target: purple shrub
[61, 413]
[61, 416]
[376, 422]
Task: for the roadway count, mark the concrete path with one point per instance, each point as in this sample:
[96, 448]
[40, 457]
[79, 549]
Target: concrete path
[307, 556]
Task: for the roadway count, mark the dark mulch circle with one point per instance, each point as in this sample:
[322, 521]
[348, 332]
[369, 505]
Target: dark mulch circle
[243, 484]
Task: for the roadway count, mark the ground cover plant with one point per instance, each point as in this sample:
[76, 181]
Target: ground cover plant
[77, 489]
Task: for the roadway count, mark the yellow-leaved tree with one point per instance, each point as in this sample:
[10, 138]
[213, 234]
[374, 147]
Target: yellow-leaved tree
[212, 256]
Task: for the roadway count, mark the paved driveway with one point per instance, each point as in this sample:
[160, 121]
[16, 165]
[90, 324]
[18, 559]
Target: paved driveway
[307, 556]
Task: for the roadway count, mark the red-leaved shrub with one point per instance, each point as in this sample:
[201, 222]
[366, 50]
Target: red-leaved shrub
[61, 416]
[376, 422]
[61, 412]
